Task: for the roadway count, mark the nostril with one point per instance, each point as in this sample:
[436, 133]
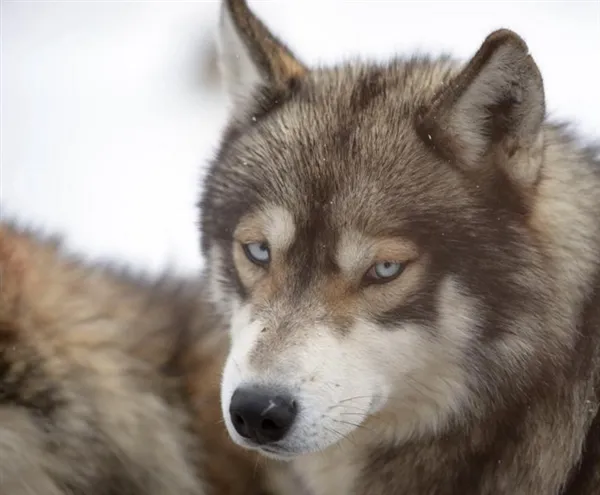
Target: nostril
[238, 420]
[240, 425]
[269, 425]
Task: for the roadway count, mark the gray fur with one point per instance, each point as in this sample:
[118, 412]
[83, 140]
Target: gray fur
[503, 208]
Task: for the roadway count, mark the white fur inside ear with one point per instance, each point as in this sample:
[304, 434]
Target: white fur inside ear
[502, 101]
[472, 112]
[240, 74]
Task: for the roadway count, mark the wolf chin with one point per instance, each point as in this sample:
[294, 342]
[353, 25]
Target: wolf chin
[408, 257]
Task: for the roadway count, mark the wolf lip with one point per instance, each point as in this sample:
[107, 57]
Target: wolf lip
[272, 450]
[276, 452]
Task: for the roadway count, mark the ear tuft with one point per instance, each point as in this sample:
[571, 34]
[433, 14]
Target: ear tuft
[250, 55]
[496, 100]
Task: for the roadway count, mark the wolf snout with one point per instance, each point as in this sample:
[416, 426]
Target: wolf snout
[261, 415]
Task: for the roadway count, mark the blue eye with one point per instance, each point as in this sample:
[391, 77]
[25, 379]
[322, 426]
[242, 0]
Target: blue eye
[258, 252]
[385, 271]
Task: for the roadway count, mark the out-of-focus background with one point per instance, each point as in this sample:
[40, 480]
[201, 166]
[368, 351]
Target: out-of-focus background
[111, 110]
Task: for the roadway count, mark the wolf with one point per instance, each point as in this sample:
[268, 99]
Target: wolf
[407, 255]
[109, 380]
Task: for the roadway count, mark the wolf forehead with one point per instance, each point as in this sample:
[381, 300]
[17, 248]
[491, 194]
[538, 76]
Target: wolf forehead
[335, 145]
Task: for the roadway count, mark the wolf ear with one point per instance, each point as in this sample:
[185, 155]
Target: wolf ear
[496, 100]
[250, 55]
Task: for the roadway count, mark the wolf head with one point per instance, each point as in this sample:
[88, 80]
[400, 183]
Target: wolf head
[370, 231]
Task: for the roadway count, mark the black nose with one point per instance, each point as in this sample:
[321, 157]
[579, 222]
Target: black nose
[260, 415]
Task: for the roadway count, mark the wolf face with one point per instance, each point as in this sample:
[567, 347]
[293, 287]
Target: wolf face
[370, 231]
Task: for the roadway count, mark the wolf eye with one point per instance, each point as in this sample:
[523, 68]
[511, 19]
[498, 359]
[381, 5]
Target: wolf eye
[385, 271]
[257, 252]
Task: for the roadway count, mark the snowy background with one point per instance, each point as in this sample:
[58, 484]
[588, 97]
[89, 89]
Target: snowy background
[111, 109]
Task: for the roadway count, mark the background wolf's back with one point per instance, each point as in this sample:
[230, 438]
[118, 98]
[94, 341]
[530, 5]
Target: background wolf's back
[108, 382]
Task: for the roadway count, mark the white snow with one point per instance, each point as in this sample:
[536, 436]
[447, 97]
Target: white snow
[109, 114]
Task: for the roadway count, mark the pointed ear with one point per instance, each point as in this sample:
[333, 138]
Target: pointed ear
[250, 55]
[497, 100]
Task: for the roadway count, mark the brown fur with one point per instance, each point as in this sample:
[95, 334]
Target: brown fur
[502, 207]
[274, 59]
[109, 383]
